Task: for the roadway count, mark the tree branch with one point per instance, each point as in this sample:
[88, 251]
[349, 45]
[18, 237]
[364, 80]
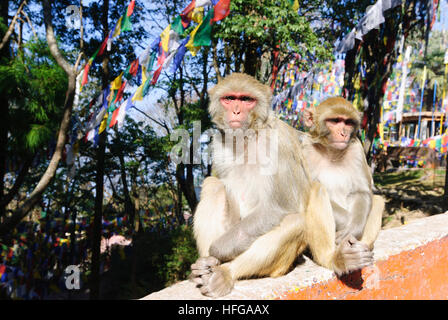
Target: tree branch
[11, 26]
[51, 39]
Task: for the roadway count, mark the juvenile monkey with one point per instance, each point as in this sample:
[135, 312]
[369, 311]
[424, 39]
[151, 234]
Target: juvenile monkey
[336, 159]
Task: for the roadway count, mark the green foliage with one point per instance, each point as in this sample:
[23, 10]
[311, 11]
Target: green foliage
[157, 260]
[35, 86]
[262, 25]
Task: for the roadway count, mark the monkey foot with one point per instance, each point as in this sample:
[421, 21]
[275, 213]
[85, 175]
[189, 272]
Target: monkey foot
[216, 284]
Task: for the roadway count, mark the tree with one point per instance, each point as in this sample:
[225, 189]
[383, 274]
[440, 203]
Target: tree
[369, 62]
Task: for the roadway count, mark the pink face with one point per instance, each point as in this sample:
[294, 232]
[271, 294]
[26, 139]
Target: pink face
[341, 129]
[237, 106]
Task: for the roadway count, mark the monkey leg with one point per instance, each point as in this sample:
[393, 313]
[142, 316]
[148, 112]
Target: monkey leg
[373, 224]
[320, 235]
[271, 254]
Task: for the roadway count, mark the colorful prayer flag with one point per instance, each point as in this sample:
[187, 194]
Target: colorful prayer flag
[222, 10]
[203, 36]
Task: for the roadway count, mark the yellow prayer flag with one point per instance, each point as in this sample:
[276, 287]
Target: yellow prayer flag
[116, 84]
[144, 77]
[197, 15]
[165, 38]
[103, 124]
[117, 30]
[295, 6]
[190, 45]
[138, 95]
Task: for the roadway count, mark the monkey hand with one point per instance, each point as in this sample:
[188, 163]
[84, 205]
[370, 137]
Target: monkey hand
[217, 283]
[201, 267]
[352, 255]
[341, 235]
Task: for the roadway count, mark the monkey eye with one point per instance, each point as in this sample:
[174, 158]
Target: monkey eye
[348, 122]
[244, 99]
[247, 99]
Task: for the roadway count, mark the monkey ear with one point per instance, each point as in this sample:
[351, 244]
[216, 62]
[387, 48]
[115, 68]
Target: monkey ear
[308, 116]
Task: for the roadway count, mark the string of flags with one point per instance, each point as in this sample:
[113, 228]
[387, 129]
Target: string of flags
[168, 49]
[295, 90]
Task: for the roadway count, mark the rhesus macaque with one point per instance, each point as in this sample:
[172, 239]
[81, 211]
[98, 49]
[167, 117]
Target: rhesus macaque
[248, 217]
[336, 159]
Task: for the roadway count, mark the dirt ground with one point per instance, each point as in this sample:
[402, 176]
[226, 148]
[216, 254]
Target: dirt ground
[410, 194]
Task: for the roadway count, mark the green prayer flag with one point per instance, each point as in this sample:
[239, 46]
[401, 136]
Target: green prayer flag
[177, 25]
[126, 24]
[146, 87]
[203, 36]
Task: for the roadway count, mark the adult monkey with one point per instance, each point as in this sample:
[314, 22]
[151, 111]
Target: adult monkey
[248, 218]
[337, 161]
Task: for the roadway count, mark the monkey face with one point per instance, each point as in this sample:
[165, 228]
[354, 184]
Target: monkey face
[237, 106]
[340, 129]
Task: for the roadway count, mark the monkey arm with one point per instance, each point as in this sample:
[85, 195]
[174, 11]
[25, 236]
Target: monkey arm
[359, 209]
[241, 235]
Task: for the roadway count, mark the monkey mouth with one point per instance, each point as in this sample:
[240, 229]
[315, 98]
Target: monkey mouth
[235, 124]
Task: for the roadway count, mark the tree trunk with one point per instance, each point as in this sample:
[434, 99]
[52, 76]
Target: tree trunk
[95, 280]
[4, 111]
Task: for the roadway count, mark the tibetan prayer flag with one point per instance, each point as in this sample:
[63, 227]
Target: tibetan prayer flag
[120, 92]
[185, 15]
[190, 44]
[197, 15]
[117, 29]
[222, 10]
[203, 3]
[131, 8]
[122, 113]
[126, 24]
[177, 25]
[138, 95]
[114, 117]
[204, 33]
[134, 67]
[116, 84]
[103, 45]
[103, 124]
[146, 86]
[180, 55]
[152, 59]
[165, 38]
[156, 75]
[85, 77]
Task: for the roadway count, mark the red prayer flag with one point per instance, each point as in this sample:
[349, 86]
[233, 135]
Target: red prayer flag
[103, 46]
[85, 76]
[120, 92]
[185, 15]
[222, 10]
[134, 67]
[156, 75]
[113, 121]
[131, 8]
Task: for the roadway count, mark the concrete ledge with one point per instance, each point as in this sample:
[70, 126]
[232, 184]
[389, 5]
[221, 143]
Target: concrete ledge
[411, 263]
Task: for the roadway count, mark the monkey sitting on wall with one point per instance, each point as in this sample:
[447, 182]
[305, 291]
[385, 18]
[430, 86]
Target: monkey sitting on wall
[336, 159]
[248, 217]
